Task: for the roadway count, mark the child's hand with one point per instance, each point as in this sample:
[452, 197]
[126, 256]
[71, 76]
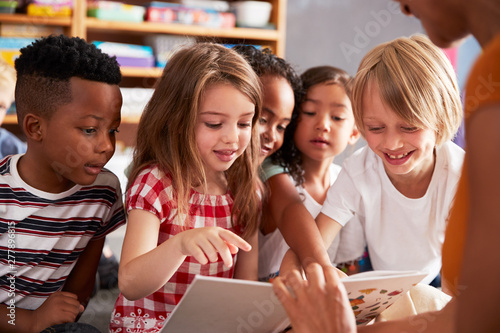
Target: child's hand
[207, 242]
[61, 307]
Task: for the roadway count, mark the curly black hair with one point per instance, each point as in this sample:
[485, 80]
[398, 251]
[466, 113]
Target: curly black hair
[45, 67]
[264, 62]
[289, 155]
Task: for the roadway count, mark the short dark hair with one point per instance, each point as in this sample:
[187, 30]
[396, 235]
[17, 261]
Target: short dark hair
[45, 67]
[265, 63]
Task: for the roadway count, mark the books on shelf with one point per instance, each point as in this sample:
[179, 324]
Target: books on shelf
[192, 14]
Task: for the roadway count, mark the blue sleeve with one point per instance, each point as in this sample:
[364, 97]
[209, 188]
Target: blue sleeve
[268, 169]
[10, 144]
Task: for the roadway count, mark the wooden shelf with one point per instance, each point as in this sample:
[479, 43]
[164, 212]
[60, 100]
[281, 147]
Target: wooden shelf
[131, 119]
[39, 20]
[141, 72]
[94, 24]
[12, 119]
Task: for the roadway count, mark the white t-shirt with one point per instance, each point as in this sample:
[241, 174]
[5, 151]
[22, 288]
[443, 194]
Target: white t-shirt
[272, 247]
[401, 233]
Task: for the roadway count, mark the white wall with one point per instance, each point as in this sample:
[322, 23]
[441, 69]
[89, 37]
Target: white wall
[340, 32]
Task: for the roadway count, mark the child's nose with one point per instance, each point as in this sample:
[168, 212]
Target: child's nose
[392, 141]
[270, 134]
[323, 124]
[230, 135]
[106, 143]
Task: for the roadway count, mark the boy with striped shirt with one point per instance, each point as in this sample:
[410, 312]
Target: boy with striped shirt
[57, 203]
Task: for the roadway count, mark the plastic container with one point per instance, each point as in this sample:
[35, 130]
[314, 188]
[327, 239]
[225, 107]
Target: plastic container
[8, 7]
[164, 45]
[10, 46]
[115, 11]
[253, 14]
[128, 54]
[48, 10]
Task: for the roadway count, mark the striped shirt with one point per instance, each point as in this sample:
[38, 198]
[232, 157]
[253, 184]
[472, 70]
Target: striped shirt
[42, 234]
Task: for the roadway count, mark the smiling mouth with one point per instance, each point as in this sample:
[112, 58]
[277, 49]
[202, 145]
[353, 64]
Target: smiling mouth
[265, 149]
[396, 157]
[225, 152]
[225, 155]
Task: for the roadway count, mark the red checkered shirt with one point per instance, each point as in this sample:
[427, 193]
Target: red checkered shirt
[152, 191]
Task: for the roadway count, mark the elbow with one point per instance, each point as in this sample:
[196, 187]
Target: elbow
[127, 286]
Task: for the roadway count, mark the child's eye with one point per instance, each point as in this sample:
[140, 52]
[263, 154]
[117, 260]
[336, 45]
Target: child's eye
[375, 128]
[114, 131]
[281, 128]
[245, 124]
[88, 130]
[409, 129]
[335, 118]
[309, 113]
[211, 125]
[262, 120]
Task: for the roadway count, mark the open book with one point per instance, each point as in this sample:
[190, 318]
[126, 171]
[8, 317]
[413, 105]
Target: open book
[372, 292]
[222, 305]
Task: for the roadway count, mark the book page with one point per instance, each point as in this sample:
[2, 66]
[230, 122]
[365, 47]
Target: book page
[370, 293]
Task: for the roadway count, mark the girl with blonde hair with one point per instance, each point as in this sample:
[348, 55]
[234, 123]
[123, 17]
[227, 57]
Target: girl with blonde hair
[193, 188]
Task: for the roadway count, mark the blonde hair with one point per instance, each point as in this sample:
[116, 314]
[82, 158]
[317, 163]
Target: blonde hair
[7, 76]
[416, 81]
[166, 131]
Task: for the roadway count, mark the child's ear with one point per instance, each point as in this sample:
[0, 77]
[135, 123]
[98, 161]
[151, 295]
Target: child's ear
[32, 125]
[354, 135]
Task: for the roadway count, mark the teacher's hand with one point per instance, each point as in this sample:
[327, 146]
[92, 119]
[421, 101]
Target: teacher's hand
[318, 304]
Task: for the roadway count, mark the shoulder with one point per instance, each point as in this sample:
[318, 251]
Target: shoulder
[334, 171]
[152, 183]
[484, 79]
[5, 165]
[152, 176]
[106, 177]
[360, 162]
[453, 156]
[105, 187]
[269, 169]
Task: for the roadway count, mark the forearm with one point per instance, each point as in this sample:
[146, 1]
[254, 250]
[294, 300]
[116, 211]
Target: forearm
[476, 311]
[247, 263]
[294, 221]
[289, 263]
[147, 273]
[81, 280]
[301, 233]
